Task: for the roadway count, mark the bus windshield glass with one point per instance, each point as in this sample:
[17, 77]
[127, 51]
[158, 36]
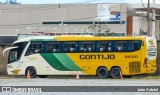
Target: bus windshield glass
[15, 54]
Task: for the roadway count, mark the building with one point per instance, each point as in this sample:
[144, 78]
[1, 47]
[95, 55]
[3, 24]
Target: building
[86, 18]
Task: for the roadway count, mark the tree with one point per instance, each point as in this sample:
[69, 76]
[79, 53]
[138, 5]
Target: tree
[101, 29]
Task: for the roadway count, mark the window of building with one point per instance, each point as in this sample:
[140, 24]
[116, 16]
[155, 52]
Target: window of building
[84, 22]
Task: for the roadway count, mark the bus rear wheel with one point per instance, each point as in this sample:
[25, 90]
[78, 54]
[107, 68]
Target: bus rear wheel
[115, 72]
[32, 70]
[102, 72]
[43, 76]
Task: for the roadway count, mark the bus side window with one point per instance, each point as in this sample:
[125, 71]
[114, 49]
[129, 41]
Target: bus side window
[53, 47]
[135, 45]
[49, 49]
[109, 49]
[56, 48]
[87, 46]
[70, 47]
[35, 47]
[120, 46]
[104, 46]
[66, 49]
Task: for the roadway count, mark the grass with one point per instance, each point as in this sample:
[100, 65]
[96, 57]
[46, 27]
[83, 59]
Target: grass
[154, 76]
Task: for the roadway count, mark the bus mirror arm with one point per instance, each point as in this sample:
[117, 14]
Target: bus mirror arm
[3, 53]
[8, 49]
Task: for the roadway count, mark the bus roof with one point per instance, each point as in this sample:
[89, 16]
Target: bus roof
[77, 37]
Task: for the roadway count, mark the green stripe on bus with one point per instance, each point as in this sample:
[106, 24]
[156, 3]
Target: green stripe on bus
[54, 62]
[67, 62]
[153, 52]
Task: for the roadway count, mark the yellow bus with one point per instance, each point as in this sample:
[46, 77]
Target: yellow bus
[87, 55]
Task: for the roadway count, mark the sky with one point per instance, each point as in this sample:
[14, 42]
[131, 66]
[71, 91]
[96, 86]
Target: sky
[79, 1]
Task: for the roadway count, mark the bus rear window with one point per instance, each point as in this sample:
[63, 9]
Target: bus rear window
[135, 45]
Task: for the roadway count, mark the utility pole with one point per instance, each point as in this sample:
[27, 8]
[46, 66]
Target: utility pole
[149, 19]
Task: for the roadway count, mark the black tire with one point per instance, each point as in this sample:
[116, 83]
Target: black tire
[102, 72]
[43, 76]
[115, 72]
[32, 70]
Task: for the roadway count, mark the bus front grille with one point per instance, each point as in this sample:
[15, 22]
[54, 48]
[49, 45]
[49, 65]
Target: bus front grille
[134, 67]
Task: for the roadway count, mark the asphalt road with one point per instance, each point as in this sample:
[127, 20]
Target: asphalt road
[54, 81]
[80, 82]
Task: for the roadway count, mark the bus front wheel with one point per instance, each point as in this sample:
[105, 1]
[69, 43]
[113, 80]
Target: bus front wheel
[102, 72]
[115, 72]
[32, 70]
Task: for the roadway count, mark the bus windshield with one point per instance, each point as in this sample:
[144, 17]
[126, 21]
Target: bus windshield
[15, 54]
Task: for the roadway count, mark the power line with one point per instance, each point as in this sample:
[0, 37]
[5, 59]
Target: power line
[149, 19]
[143, 7]
[142, 4]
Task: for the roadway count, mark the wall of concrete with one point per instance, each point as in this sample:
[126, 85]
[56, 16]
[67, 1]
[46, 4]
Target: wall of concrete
[158, 56]
[139, 23]
[3, 60]
[157, 31]
[14, 19]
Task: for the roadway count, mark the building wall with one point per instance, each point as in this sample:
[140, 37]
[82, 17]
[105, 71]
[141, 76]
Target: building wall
[3, 60]
[158, 57]
[139, 24]
[157, 30]
[129, 25]
[21, 19]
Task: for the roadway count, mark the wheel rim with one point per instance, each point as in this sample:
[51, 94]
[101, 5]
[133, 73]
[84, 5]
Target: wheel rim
[31, 72]
[116, 73]
[102, 72]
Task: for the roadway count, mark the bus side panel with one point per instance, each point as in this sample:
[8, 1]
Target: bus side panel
[83, 66]
[88, 62]
[144, 56]
[65, 64]
[130, 63]
[96, 64]
[33, 60]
